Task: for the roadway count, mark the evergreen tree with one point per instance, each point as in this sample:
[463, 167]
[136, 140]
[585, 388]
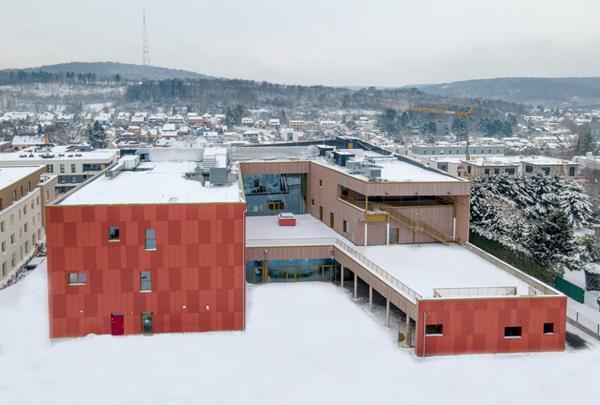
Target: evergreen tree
[97, 136]
[575, 202]
[552, 243]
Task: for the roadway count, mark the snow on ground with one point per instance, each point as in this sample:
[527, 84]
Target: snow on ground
[305, 343]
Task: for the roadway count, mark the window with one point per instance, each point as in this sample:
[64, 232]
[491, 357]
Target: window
[3, 247]
[2, 226]
[12, 238]
[312, 202]
[549, 328]
[113, 234]
[4, 269]
[486, 171]
[546, 170]
[50, 169]
[77, 278]
[512, 332]
[435, 329]
[47, 196]
[62, 168]
[28, 186]
[150, 239]
[510, 171]
[496, 171]
[345, 226]
[25, 227]
[73, 168]
[91, 167]
[25, 210]
[528, 169]
[145, 281]
[14, 195]
[320, 182]
[571, 171]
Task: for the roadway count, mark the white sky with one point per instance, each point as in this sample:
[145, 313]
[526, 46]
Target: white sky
[336, 42]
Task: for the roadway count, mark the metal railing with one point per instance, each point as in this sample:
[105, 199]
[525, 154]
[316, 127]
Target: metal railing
[474, 292]
[415, 225]
[592, 326]
[366, 263]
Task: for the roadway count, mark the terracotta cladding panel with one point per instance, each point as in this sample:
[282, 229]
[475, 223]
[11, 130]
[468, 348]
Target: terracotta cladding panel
[477, 325]
[199, 250]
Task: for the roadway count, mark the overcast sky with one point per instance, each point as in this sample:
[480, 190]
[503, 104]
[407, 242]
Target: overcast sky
[335, 42]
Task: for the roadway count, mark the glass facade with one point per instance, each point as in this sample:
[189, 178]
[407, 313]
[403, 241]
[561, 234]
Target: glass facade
[286, 271]
[271, 194]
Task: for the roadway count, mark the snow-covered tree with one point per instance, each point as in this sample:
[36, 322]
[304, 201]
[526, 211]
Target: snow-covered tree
[552, 243]
[575, 202]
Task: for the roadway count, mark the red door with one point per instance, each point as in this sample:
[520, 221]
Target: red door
[117, 324]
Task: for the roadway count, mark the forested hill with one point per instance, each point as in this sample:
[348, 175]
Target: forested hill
[252, 94]
[531, 90]
[96, 70]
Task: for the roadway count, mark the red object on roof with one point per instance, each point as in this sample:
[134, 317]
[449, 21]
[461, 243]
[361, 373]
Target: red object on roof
[286, 219]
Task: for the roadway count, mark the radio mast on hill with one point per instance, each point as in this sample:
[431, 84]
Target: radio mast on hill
[145, 48]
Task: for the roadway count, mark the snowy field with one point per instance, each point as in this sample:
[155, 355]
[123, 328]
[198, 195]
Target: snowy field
[305, 344]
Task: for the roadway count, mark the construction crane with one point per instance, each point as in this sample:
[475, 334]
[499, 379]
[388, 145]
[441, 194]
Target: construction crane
[459, 114]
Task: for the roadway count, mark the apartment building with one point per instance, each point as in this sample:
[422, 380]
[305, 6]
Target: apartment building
[72, 164]
[126, 256]
[22, 197]
[457, 149]
[519, 165]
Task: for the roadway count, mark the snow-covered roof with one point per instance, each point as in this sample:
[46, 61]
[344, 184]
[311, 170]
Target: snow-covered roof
[392, 168]
[26, 140]
[265, 231]
[429, 266]
[152, 183]
[9, 175]
[61, 152]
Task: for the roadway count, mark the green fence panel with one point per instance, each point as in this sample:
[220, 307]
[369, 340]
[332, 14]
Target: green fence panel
[569, 289]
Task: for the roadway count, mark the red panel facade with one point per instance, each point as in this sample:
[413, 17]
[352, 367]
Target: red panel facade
[477, 325]
[197, 268]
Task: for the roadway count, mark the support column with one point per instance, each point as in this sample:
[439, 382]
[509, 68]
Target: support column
[387, 233]
[370, 298]
[355, 286]
[342, 277]
[387, 313]
[366, 234]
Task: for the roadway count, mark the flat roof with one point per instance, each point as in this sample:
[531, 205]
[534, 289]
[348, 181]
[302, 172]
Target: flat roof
[394, 169]
[428, 266]
[52, 153]
[265, 231]
[152, 183]
[11, 174]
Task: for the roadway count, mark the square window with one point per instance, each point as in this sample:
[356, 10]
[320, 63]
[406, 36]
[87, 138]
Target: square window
[549, 328]
[150, 239]
[512, 332]
[434, 329]
[145, 281]
[77, 278]
[113, 234]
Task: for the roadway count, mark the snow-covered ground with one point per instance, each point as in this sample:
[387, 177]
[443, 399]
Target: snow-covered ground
[305, 343]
